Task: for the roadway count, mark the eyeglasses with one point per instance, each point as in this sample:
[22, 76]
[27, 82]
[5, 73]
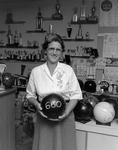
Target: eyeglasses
[51, 49]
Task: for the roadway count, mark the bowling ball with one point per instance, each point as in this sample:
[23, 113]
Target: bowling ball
[53, 106]
[8, 80]
[114, 103]
[83, 110]
[102, 97]
[104, 112]
[81, 83]
[90, 86]
[90, 98]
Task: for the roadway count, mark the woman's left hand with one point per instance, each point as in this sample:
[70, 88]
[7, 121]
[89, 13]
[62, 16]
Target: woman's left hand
[63, 116]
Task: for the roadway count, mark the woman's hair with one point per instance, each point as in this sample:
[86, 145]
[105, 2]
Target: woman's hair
[50, 37]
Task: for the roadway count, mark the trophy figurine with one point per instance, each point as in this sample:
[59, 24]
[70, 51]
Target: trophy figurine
[69, 31]
[92, 16]
[79, 35]
[39, 20]
[75, 17]
[57, 14]
[83, 11]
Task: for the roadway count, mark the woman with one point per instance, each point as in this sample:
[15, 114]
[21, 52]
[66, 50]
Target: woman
[54, 77]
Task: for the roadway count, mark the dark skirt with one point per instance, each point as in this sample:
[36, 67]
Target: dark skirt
[52, 135]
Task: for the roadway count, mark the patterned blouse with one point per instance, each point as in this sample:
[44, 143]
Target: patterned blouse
[63, 81]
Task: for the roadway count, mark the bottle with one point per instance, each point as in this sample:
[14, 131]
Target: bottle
[98, 87]
[20, 39]
[110, 89]
[9, 36]
[39, 20]
[16, 38]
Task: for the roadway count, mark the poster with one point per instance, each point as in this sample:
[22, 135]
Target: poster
[110, 45]
[108, 13]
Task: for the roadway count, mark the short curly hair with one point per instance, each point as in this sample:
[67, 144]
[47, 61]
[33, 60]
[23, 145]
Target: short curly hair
[50, 37]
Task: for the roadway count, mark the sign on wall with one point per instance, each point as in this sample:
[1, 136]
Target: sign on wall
[108, 13]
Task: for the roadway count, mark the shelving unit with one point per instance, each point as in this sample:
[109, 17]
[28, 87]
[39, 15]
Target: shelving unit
[15, 22]
[53, 18]
[13, 46]
[2, 31]
[84, 22]
[36, 31]
[76, 40]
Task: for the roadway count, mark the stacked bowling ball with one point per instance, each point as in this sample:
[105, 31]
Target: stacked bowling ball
[106, 110]
[53, 106]
[8, 80]
[90, 86]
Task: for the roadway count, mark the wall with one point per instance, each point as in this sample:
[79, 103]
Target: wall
[27, 11]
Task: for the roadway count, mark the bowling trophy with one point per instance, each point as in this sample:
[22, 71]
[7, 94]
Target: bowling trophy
[79, 34]
[75, 17]
[9, 16]
[83, 11]
[57, 14]
[69, 31]
[39, 20]
[92, 16]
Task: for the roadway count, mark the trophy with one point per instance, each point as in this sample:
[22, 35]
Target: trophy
[69, 30]
[83, 11]
[75, 17]
[57, 14]
[39, 20]
[92, 16]
[79, 34]
[9, 16]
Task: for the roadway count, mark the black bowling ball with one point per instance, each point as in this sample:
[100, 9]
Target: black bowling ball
[114, 103]
[103, 97]
[90, 86]
[53, 106]
[81, 83]
[8, 80]
[83, 110]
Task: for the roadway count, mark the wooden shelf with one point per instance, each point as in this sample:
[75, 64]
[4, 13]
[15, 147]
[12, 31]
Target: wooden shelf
[84, 22]
[11, 46]
[36, 31]
[53, 18]
[76, 40]
[2, 31]
[15, 22]
[80, 56]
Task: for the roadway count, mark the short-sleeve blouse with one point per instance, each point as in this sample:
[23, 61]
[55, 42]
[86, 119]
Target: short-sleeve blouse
[63, 81]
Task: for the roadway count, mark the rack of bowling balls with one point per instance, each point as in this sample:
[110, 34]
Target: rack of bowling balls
[102, 108]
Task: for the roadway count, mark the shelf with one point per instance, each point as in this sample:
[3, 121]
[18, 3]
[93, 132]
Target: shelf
[84, 22]
[12, 46]
[15, 22]
[80, 56]
[36, 31]
[2, 31]
[76, 40]
[53, 18]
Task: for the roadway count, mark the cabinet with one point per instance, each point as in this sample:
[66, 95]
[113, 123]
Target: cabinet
[97, 137]
[7, 119]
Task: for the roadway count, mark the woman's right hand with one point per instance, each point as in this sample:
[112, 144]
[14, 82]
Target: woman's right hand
[39, 109]
[38, 106]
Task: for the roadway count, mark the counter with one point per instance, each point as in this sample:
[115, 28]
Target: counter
[91, 136]
[7, 119]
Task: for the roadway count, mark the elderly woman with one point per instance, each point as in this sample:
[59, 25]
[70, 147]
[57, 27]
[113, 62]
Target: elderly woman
[54, 77]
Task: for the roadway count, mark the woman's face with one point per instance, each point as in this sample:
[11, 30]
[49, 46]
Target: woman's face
[54, 51]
